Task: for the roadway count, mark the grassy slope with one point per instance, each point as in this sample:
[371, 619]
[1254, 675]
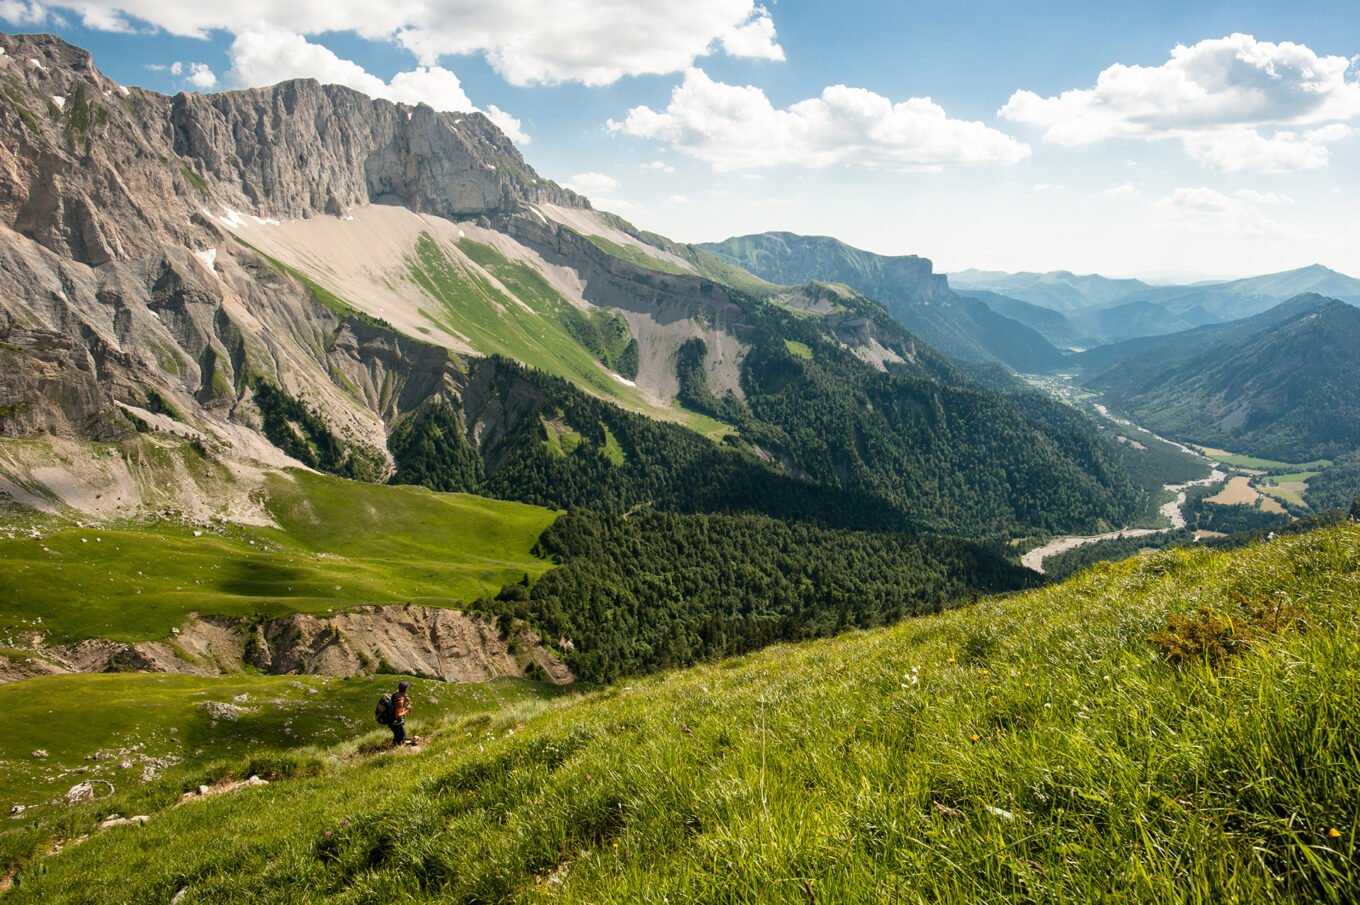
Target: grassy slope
[1032, 748]
[89, 724]
[339, 543]
[527, 328]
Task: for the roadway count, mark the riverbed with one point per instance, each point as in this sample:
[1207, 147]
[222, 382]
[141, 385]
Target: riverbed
[1173, 510]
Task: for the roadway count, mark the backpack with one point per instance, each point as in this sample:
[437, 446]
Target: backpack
[385, 709]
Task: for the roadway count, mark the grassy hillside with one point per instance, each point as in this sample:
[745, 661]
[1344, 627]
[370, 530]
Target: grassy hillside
[338, 543]
[130, 728]
[1178, 728]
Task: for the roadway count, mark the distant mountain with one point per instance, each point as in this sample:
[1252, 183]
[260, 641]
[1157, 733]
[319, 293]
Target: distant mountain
[1281, 385]
[1111, 311]
[918, 298]
[1060, 290]
[1052, 325]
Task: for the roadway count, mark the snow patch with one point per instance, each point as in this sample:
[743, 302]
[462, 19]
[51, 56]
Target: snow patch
[209, 258]
[233, 219]
[623, 380]
[59, 101]
[34, 61]
[264, 221]
[123, 88]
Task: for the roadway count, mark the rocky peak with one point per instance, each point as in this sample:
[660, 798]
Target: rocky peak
[300, 148]
[98, 172]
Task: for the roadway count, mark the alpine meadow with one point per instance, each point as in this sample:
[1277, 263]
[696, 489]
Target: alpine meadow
[494, 453]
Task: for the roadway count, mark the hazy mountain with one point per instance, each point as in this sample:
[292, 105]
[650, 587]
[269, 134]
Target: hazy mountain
[1281, 385]
[916, 297]
[1060, 290]
[301, 274]
[1111, 311]
[1052, 325]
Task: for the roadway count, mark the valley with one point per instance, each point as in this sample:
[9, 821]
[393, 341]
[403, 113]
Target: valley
[757, 570]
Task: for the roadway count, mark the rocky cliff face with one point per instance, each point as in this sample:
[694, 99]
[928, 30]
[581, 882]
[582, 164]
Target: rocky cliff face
[98, 172]
[415, 640]
[120, 290]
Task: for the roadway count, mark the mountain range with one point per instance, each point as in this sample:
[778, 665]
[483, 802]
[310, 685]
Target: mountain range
[1281, 384]
[300, 274]
[1097, 310]
[917, 298]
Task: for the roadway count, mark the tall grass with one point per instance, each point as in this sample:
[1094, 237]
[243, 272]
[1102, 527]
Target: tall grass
[1034, 748]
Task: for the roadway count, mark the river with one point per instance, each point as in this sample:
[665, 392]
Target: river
[1173, 511]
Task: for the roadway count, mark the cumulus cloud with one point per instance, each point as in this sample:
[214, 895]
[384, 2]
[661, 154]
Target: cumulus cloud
[1236, 149]
[1220, 97]
[21, 14]
[1238, 215]
[524, 40]
[265, 55]
[592, 183]
[201, 76]
[659, 165]
[736, 127]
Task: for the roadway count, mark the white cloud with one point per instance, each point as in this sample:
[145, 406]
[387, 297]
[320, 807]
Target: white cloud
[1123, 188]
[677, 199]
[524, 40]
[1047, 187]
[592, 184]
[201, 77]
[733, 127]
[1236, 149]
[177, 68]
[1207, 210]
[659, 165]
[265, 55]
[21, 14]
[1216, 97]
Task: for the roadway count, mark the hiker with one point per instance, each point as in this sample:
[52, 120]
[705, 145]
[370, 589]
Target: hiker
[401, 705]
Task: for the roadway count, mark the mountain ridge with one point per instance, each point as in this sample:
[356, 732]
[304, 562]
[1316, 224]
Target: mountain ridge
[917, 297]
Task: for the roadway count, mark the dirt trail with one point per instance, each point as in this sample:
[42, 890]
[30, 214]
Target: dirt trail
[1173, 510]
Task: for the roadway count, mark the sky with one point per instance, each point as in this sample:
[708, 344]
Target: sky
[1167, 140]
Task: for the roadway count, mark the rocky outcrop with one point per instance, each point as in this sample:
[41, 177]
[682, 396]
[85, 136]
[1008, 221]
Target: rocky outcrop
[98, 172]
[301, 148]
[414, 640]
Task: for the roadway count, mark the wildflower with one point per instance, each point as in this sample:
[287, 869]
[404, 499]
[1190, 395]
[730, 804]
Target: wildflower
[976, 736]
[951, 659]
[1334, 833]
[1029, 684]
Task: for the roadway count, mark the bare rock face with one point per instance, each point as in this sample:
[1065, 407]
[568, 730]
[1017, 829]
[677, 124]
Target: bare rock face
[415, 640]
[301, 148]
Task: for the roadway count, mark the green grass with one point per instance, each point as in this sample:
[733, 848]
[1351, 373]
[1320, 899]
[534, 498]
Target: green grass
[798, 350]
[637, 256]
[1228, 458]
[1032, 748]
[115, 727]
[533, 332]
[495, 324]
[338, 543]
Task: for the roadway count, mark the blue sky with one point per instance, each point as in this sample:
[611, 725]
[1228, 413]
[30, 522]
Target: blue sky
[998, 135]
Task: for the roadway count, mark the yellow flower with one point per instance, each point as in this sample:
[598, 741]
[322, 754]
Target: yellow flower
[976, 736]
[951, 659]
[1334, 833]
